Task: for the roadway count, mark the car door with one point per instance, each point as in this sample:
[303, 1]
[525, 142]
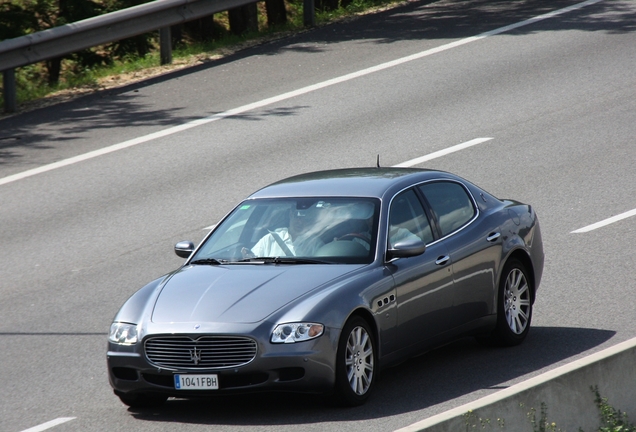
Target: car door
[473, 244]
[424, 282]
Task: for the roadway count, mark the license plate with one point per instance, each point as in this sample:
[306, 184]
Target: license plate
[196, 382]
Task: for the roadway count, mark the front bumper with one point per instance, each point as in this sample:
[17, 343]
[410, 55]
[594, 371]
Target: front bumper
[307, 367]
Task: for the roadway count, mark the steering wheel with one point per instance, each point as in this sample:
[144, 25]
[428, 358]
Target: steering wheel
[352, 236]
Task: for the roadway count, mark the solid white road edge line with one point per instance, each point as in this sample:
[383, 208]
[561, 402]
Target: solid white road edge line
[519, 387]
[284, 96]
[49, 425]
[441, 153]
[605, 222]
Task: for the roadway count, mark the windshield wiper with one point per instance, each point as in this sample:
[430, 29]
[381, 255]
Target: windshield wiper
[282, 260]
[207, 261]
[294, 260]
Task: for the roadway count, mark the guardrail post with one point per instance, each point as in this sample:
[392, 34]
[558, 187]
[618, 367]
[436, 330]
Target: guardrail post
[309, 13]
[8, 77]
[165, 45]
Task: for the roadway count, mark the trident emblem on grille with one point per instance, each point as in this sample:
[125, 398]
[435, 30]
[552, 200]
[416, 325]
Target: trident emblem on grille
[195, 356]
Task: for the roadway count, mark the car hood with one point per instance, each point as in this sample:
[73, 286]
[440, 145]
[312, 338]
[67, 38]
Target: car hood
[237, 293]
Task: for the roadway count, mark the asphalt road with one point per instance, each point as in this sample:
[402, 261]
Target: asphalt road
[557, 96]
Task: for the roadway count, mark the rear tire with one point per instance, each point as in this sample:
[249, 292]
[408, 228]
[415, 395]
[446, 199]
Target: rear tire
[355, 363]
[514, 307]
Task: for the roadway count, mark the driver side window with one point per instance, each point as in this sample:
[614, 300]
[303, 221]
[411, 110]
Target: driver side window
[407, 219]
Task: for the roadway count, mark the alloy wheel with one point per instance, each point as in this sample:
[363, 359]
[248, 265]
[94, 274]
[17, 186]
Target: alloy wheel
[517, 301]
[359, 360]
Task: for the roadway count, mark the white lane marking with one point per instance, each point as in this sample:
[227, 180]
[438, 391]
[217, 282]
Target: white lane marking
[441, 153]
[49, 425]
[284, 96]
[605, 222]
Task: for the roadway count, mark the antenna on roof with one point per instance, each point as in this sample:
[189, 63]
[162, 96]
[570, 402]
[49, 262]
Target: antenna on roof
[378, 161]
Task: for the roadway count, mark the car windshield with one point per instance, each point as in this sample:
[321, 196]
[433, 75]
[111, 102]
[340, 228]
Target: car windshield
[302, 230]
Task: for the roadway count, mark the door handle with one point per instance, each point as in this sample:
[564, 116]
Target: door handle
[493, 237]
[442, 260]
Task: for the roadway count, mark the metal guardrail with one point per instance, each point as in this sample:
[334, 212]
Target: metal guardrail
[111, 27]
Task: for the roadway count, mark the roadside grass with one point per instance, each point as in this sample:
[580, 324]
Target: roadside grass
[33, 89]
[611, 419]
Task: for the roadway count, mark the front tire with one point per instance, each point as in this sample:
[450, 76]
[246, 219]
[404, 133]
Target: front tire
[355, 363]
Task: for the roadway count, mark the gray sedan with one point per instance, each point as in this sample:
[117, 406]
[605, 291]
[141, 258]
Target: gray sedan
[316, 282]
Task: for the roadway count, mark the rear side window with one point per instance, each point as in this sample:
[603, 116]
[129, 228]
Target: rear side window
[451, 203]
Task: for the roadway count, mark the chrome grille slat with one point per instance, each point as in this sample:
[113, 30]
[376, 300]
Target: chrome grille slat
[213, 351]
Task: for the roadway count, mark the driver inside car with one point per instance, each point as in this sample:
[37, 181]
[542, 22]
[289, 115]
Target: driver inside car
[296, 240]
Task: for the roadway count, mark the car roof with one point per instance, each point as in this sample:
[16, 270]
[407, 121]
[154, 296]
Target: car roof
[359, 182]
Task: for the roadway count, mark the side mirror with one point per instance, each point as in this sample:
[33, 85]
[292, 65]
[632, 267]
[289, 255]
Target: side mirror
[405, 249]
[184, 249]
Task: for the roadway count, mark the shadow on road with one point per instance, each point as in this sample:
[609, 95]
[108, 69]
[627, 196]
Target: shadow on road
[60, 125]
[433, 378]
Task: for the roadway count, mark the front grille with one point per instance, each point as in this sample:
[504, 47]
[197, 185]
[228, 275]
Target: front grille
[206, 352]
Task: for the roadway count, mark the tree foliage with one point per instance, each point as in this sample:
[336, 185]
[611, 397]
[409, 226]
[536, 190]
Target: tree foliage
[16, 21]
[21, 17]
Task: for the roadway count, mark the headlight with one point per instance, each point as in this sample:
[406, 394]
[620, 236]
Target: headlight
[123, 333]
[296, 332]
